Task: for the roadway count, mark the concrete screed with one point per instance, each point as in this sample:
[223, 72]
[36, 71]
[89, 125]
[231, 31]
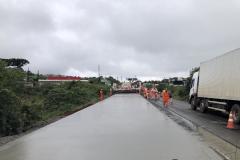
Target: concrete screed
[122, 127]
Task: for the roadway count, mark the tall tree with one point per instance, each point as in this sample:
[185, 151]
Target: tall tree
[11, 78]
[16, 62]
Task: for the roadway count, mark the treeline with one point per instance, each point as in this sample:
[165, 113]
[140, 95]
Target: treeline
[22, 106]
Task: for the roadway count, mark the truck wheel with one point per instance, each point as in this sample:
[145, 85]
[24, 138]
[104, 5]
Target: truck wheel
[193, 105]
[203, 106]
[236, 113]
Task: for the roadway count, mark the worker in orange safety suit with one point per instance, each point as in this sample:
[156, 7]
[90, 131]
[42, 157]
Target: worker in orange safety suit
[165, 98]
[145, 92]
[101, 95]
[148, 93]
[154, 93]
[110, 92]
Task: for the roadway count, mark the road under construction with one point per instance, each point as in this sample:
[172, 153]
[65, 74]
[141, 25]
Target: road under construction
[124, 126]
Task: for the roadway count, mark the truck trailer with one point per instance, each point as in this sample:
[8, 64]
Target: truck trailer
[217, 85]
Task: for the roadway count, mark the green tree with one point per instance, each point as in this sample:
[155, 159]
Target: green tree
[10, 121]
[113, 80]
[11, 78]
[162, 86]
[16, 62]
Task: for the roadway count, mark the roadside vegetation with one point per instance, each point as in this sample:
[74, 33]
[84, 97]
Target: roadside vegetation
[23, 107]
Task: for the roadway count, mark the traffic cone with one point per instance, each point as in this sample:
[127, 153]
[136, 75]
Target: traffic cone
[230, 124]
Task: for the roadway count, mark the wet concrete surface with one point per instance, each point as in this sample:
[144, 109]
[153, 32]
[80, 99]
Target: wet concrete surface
[122, 127]
[213, 121]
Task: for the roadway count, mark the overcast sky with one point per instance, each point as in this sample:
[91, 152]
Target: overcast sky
[150, 39]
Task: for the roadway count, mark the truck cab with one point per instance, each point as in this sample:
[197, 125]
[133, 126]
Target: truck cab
[194, 84]
[194, 90]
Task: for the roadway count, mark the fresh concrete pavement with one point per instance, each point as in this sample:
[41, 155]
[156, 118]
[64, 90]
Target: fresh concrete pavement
[122, 127]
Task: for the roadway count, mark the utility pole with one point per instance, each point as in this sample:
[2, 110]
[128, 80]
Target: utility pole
[99, 74]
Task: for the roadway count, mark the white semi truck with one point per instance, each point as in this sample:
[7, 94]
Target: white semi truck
[217, 85]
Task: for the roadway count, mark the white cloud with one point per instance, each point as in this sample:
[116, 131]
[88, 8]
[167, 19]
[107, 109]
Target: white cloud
[148, 39]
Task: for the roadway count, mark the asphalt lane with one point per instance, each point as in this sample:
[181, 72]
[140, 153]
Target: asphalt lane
[122, 127]
[213, 121]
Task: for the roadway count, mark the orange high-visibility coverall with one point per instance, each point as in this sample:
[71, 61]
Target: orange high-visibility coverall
[165, 97]
[101, 95]
[145, 92]
[148, 93]
[154, 93]
[110, 92]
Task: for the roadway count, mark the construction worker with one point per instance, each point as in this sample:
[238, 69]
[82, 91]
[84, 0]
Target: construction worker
[101, 95]
[141, 91]
[110, 92]
[170, 98]
[148, 93]
[158, 95]
[154, 93]
[145, 92]
[151, 93]
[165, 98]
